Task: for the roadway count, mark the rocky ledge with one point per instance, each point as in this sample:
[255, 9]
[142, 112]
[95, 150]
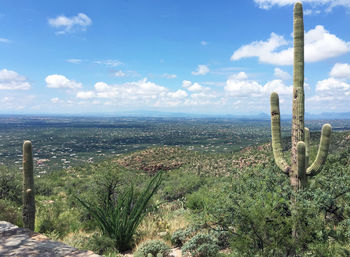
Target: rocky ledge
[15, 241]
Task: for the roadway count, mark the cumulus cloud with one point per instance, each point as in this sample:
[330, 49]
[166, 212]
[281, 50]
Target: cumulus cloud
[281, 74]
[70, 24]
[60, 81]
[201, 70]
[85, 94]
[195, 87]
[340, 70]
[267, 4]
[11, 80]
[238, 85]
[332, 93]
[319, 45]
[332, 86]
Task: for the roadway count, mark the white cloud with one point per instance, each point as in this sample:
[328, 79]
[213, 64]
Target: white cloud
[267, 4]
[201, 70]
[71, 24]
[75, 61]
[4, 40]
[281, 74]
[85, 94]
[169, 76]
[239, 76]
[204, 43]
[331, 94]
[195, 87]
[119, 73]
[332, 86]
[11, 80]
[238, 85]
[143, 93]
[109, 63]
[340, 70]
[319, 45]
[60, 81]
[55, 100]
[178, 94]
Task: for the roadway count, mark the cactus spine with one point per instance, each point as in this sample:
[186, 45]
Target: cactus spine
[299, 169]
[28, 187]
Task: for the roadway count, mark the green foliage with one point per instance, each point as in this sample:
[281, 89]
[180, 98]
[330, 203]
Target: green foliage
[180, 236]
[120, 219]
[54, 218]
[10, 212]
[222, 237]
[254, 207]
[201, 245]
[185, 183]
[10, 185]
[96, 242]
[153, 248]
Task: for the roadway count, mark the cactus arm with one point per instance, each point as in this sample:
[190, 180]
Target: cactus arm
[307, 146]
[321, 157]
[28, 187]
[276, 134]
[301, 147]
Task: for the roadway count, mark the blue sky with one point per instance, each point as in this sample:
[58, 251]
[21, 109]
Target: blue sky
[208, 57]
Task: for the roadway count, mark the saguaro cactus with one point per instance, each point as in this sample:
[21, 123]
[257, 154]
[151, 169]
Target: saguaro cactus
[299, 170]
[28, 187]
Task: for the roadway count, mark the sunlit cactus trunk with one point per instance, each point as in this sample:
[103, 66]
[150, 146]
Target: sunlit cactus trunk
[28, 187]
[299, 169]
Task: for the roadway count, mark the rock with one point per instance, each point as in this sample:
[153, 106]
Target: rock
[15, 241]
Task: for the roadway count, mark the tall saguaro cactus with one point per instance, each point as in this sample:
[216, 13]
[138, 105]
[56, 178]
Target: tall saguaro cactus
[28, 187]
[299, 169]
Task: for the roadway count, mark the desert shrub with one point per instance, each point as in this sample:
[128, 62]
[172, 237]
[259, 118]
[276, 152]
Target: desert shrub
[94, 242]
[10, 212]
[186, 183]
[54, 218]
[10, 185]
[43, 187]
[254, 206]
[155, 248]
[180, 236]
[222, 237]
[201, 245]
[119, 219]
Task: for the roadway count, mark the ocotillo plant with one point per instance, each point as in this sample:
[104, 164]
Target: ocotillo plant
[28, 187]
[299, 169]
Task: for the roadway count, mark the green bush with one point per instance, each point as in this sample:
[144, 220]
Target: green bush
[186, 183]
[10, 185]
[201, 245]
[155, 248]
[10, 212]
[119, 219]
[222, 237]
[96, 242]
[254, 206]
[180, 236]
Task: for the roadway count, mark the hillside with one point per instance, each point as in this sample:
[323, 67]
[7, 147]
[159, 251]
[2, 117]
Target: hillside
[201, 192]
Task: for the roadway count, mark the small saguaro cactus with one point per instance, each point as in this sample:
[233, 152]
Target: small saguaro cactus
[28, 187]
[299, 170]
